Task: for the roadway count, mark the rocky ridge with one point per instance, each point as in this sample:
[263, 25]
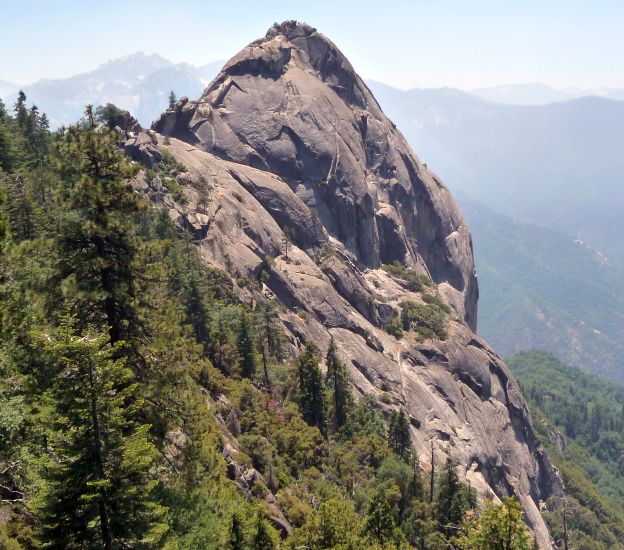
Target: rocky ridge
[311, 191]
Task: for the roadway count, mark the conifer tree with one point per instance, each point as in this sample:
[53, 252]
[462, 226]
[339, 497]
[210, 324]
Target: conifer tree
[224, 354]
[399, 436]
[236, 539]
[172, 100]
[452, 500]
[310, 387]
[99, 490]
[417, 488]
[197, 314]
[5, 148]
[380, 521]
[44, 122]
[263, 539]
[97, 241]
[20, 110]
[497, 526]
[269, 337]
[246, 346]
[338, 383]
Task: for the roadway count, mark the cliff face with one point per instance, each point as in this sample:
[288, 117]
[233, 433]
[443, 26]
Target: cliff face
[292, 105]
[305, 168]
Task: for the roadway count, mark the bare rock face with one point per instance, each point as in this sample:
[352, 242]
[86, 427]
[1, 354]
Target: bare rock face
[314, 188]
[292, 105]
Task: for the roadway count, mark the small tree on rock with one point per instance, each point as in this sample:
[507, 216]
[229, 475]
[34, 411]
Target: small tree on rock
[172, 100]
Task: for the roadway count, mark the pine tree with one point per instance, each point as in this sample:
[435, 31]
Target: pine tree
[452, 500]
[6, 163]
[246, 346]
[20, 110]
[99, 490]
[203, 199]
[263, 539]
[269, 337]
[44, 123]
[236, 539]
[172, 100]
[197, 314]
[97, 241]
[380, 520]
[310, 387]
[417, 488]
[497, 526]
[338, 383]
[224, 354]
[399, 435]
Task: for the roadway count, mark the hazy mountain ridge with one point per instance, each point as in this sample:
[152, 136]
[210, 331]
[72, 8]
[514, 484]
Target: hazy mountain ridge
[138, 82]
[535, 93]
[7, 88]
[557, 166]
[543, 289]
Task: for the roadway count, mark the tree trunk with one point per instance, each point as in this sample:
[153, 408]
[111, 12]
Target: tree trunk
[107, 540]
[431, 482]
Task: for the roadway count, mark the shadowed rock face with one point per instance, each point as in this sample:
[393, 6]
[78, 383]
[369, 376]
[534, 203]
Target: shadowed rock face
[293, 143]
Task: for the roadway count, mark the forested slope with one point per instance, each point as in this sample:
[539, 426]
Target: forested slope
[580, 419]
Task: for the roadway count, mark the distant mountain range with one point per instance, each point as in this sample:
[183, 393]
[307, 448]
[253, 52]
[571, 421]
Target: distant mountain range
[139, 83]
[542, 289]
[559, 166]
[540, 94]
[7, 88]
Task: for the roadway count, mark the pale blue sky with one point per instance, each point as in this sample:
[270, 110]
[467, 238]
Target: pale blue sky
[406, 43]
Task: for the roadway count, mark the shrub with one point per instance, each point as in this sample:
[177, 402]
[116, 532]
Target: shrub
[407, 276]
[394, 327]
[427, 320]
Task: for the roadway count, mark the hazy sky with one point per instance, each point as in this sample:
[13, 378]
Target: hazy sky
[406, 43]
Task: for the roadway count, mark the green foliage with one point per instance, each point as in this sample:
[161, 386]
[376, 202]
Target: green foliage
[98, 487]
[399, 438]
[407, 276]
[395, 327]
[335, 525]
[339, 386]
[246, 346]
[265, 537]
[310, 387]
[236, 539]
[96, 244]
[427, 320]
[172, 100]
[452, 500]
[380, 523]
[109, 114]
[157, 342]
[588, 411]
[497, 526]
